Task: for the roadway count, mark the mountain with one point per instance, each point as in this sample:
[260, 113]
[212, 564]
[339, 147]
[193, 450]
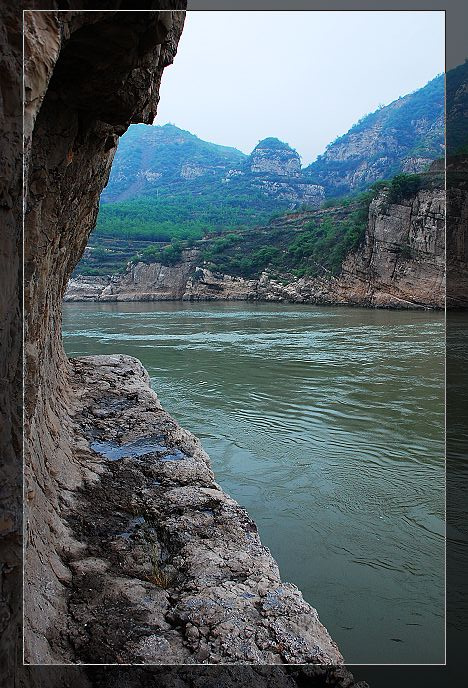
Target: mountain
[166, 184]
[159, 161]
[457, 110]
[405, 136]
[152, 159]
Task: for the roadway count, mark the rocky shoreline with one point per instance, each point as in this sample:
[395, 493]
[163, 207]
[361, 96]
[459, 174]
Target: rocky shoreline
[400, 264]
[159, 565]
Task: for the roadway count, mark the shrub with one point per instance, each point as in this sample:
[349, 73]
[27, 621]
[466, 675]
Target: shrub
[403, 186]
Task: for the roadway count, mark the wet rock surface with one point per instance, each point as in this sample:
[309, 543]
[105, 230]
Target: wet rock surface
[166, 567]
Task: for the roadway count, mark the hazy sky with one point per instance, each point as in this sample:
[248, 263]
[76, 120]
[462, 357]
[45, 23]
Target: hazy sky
[304, 77]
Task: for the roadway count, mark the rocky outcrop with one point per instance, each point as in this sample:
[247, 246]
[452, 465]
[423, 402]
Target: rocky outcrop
[87, 288]
[165, 567]
[271, 156]
[399, 265]
[274, 169]
[292, 192]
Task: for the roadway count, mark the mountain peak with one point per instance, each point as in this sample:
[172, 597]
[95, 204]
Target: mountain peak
[272, 156]
[272, 143]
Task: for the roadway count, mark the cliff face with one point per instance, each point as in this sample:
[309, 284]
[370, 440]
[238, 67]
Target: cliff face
[276, 171]
[141, 282]
[270, 156]
[87, 76]
[400, 264]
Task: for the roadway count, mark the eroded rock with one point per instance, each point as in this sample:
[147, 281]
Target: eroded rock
[171, 569]
[88, 75]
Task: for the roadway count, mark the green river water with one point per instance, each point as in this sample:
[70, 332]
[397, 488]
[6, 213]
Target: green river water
[327, 424]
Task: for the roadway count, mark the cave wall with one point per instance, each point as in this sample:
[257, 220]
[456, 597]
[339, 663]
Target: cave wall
[88, 76]
[10, 341]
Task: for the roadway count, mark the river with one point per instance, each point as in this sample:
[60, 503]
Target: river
[327, 424]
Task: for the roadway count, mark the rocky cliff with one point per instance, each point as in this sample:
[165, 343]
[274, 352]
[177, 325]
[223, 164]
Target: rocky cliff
[404, 136]
[400, 264]
[133, 552]
[276, 171]
[87, 76]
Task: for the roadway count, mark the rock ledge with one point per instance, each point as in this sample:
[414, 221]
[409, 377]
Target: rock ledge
[167, 568]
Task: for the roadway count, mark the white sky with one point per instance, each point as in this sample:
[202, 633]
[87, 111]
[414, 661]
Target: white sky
[304, 77]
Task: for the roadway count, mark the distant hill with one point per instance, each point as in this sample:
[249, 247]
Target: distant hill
[405, 136]
[153, 159]
[167, 183]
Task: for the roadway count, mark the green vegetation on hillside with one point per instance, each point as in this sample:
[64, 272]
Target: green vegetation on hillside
[411, 126]
[457, 110]
[318, 247]
[184, 216]
[166, 255]
[272, 143]
[152, 157]
[300, 242]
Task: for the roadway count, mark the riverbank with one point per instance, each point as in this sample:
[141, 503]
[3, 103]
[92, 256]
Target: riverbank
[161, 565]
[400, 263]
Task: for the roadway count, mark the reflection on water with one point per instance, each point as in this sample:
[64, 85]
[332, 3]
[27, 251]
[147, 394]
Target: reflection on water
[327, 424]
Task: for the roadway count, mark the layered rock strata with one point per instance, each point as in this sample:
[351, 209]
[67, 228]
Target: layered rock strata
[401, 264]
